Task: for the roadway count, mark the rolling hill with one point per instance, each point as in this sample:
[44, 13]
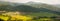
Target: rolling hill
[37, 9]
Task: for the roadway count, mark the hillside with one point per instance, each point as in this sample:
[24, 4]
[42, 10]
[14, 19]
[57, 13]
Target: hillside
[58, 5]
[36, 9]
[43, 5]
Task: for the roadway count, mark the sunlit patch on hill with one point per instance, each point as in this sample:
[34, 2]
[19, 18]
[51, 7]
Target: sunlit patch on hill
[15, 16]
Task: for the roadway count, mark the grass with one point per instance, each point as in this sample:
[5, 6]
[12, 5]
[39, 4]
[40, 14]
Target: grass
[43, 14]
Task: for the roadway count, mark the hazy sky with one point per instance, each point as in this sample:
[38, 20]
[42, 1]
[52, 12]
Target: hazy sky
[43, 1]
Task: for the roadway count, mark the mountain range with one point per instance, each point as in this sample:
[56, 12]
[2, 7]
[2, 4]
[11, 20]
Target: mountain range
[33, 7]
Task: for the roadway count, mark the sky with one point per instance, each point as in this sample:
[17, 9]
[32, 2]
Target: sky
[43, 1]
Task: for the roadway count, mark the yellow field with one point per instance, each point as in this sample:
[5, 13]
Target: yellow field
[15, 16]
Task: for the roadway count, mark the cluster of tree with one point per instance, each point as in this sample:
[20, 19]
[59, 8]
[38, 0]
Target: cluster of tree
[54, 18]
[39, 17]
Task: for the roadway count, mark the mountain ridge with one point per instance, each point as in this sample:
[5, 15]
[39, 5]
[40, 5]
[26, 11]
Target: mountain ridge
[32, 7]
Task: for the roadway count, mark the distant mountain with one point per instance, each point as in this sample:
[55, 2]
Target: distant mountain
[43, 5]
[31, 7]
[10, 3]
[57, 5]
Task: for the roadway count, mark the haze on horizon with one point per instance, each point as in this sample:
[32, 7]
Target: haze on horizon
[43, 1]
